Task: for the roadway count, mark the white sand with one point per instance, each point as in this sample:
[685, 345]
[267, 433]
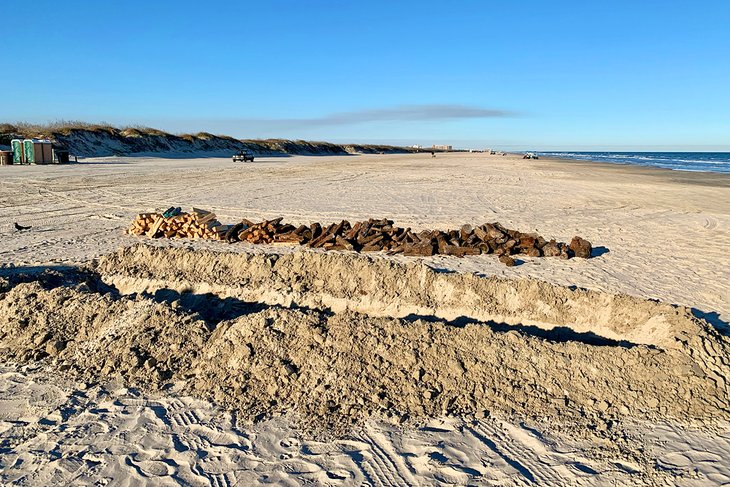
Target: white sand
[52, 433]
[667, 235]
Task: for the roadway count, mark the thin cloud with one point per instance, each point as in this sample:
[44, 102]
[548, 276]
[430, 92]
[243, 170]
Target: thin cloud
[403, 113]
[298, 127]
[418, 113]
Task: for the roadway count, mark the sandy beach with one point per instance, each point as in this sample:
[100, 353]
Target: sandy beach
[665, 232]
[660, 239]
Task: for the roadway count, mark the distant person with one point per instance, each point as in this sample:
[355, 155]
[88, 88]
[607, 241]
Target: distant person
[433, 154]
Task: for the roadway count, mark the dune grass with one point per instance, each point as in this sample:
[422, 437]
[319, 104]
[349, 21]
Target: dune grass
[66, 128]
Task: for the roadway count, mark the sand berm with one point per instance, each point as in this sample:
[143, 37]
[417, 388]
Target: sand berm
[333, 339]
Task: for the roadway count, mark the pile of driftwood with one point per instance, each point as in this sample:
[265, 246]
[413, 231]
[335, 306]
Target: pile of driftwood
[364, 236]
[198, 224]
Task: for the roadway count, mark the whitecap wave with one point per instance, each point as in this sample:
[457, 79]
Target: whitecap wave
[681, 161]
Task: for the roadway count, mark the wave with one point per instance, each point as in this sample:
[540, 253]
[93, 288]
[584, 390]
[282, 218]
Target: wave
[718, 162]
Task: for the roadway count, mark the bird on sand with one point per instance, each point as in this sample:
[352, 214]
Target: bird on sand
[20, 228]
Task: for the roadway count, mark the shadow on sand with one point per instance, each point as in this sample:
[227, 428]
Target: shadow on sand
[558, 334]
[713, 318]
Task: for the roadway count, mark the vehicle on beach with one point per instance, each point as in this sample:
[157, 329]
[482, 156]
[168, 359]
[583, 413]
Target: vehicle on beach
[530, 155]
[243, 156]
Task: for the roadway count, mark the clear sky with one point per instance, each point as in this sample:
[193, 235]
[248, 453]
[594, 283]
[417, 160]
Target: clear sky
[531, 74]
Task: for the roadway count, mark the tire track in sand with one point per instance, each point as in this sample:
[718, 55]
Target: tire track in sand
[394, 470]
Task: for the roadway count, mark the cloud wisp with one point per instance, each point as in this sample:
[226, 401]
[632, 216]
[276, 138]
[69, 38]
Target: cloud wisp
[417, 113]
[307, 127]
[403, 113]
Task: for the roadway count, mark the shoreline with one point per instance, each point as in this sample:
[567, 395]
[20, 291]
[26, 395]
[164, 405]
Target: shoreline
[693, 176]
[697, 177]
[629, 164]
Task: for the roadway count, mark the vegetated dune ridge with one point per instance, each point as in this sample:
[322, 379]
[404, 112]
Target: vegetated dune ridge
[318, 337]
[89, 140]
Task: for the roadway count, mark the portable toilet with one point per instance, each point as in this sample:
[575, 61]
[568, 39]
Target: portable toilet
[29, 151]
[37, 151]
[18, 154]
[46, 147]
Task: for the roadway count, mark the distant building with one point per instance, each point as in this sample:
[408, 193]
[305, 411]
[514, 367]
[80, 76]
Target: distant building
[442, 147]
[416, 146]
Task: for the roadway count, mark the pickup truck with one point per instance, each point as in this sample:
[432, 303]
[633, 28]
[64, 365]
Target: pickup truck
[243, 156]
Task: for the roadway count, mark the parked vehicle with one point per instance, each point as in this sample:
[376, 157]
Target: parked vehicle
[530, 155]
[243, 156]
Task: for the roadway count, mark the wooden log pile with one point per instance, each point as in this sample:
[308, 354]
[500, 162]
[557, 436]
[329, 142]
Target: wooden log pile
[364, 236]
[200, 224]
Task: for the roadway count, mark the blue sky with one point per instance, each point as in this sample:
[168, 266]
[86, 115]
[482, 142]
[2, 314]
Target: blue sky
[531, 74]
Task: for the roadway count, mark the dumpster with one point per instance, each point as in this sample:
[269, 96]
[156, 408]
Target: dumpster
[6, 157]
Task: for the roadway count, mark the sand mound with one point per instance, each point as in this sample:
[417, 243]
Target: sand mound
[379, 286]
[336, 338]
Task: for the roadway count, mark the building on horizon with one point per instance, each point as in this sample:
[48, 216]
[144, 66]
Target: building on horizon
[442, 147]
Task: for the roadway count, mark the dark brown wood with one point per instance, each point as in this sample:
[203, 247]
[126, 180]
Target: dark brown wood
[344, 243]
[442, 244]
[352, 233]
[321, 240]
[316, 230]
[371, 240]
[461, 251]
[365, 236]
[422, 249]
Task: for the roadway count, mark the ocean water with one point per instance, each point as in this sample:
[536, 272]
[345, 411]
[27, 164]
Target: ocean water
[680, 161]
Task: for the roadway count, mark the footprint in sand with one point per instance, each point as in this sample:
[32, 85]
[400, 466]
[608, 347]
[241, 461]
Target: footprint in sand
[289, 443]
[291, 448]
[154, 468]
[338, 475]
[710, 223]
